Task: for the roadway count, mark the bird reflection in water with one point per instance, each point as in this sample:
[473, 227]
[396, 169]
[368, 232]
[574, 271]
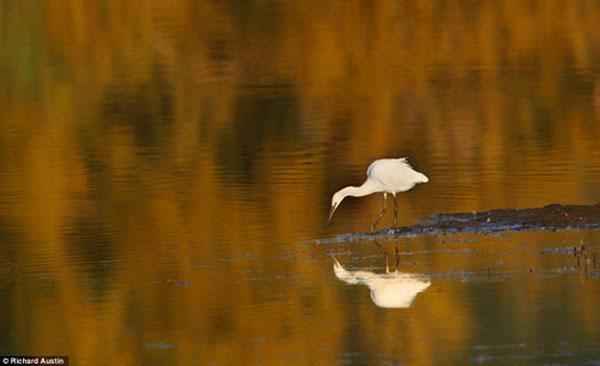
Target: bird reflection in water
[388, 290]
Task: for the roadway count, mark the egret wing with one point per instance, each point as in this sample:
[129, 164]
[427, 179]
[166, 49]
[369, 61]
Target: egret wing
[396, 175]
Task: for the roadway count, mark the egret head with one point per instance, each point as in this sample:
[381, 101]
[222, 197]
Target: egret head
[335, 202]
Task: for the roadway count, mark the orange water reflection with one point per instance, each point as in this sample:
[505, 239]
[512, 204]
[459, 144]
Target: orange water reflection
[164, 168]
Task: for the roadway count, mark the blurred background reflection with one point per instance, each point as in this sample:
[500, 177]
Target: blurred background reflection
[166, 167]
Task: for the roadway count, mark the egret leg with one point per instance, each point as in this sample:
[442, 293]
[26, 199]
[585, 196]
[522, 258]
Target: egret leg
[384, 252]
[380, 247]
[387, 264]
[382, 213]
[395, 211]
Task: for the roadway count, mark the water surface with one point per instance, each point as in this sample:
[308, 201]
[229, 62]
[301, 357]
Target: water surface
[166, 170]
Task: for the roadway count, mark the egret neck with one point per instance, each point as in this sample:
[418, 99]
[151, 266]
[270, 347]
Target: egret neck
[367, 188]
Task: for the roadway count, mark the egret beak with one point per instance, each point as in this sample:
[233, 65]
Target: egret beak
[331, 213]
[335, 261]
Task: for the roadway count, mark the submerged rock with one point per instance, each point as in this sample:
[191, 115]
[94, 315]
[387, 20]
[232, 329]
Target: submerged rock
[551, 217]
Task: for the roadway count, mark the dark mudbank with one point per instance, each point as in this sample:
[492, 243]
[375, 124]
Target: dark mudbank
[551, 217]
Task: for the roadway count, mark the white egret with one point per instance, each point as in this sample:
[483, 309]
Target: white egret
[389, 290]
[387, 176]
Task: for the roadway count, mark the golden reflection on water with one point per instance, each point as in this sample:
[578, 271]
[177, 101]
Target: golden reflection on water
[164, 166]
[395, 290]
